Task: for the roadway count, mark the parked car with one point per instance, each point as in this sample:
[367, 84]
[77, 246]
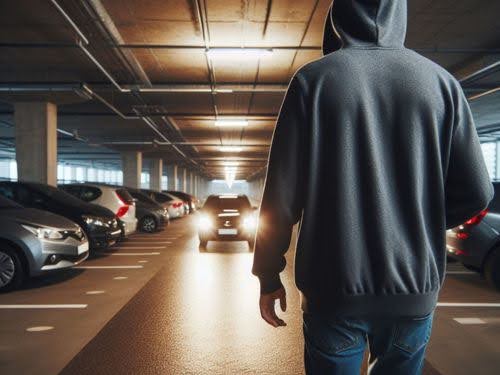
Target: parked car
[174, 205]
[34, 242]
[227, 218]
[476, 243]
[117, 199]
[151, 215]
[189, 199]
[99, 224]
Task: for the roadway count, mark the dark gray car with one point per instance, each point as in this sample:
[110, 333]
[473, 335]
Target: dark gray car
[34, 242]
[476, 243]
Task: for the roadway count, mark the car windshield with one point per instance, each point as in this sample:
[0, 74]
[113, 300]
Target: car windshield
[56, 194]
[8, 204]
[230, 202]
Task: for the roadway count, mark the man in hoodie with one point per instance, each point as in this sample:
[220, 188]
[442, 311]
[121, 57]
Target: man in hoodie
[376, 154]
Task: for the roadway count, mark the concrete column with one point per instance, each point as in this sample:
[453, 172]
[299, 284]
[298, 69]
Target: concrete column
[173, 179]
[191, 183]
[195, 190]
[132, 168]
[36, 142]
[184, 180]
[156, 174]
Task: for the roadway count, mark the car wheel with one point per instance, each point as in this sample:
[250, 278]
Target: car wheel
[148, 224]
[12, 272]
[492, 269]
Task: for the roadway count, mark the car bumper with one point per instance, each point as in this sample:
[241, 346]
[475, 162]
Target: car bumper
[54, 255]
[99, 240]
[215, 235]
[130, 227]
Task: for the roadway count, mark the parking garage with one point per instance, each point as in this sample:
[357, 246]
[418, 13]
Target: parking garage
[119, 119]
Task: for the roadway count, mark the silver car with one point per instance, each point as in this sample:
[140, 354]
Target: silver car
[34, 242]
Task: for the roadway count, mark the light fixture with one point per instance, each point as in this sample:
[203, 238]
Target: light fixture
[231, 122]
[231, 163]
[230, 149]
[239, 52]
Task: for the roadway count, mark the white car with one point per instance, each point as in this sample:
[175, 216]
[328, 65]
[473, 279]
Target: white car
[114, 198]
[174, 205]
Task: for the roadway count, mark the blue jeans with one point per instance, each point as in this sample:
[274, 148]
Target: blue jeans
[336, 346]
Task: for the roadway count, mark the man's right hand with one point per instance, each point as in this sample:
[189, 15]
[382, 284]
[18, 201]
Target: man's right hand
[267, 310]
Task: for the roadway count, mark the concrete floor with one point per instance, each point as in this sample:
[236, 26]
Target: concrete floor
[191, 313]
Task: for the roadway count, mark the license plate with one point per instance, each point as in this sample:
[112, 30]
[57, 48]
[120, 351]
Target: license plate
[228, 231]
[83, 248]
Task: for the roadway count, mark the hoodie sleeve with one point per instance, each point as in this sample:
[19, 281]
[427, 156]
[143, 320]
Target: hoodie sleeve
[281, 205]
[468, 186]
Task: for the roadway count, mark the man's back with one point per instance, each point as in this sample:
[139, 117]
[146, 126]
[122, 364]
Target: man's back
[375, 152]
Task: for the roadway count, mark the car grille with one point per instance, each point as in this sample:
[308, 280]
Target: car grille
[76, 234]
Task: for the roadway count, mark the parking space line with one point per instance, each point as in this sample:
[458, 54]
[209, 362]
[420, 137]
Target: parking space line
[120, 278]
[461, 273]
[147, 242]
[105, 267]
[133, 254]
[469, 321]
[467, 304]
[142, 247]
[63, 306]
[39, 329]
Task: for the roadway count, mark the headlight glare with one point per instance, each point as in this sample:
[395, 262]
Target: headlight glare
[204, 222]
[94, 220]
[250, 222]
[44, 233]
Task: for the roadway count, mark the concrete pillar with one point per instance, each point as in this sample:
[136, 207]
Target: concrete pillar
[195, 190]
[156, 174]
[173, 179]
[36, 142]
[132, 168]
[191, 183]
[184, 180]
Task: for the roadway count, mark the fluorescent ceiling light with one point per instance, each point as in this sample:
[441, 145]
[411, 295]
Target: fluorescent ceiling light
[231, 163]
[230, 149]
[239, 52]
[231, 122]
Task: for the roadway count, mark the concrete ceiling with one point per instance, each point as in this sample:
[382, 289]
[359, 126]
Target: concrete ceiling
[161, 43]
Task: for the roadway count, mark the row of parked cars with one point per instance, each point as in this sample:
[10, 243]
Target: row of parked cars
[45, 228]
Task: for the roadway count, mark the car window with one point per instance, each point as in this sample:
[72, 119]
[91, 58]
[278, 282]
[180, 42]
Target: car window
[30, 198]
[221, 203]
[162, 198]
[71, 189]
[90, 193]
[7, 191]
[125, 196]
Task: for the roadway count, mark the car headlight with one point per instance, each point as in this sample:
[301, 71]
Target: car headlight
[94, 220]
[250, 222]
[44, 233]
[204, 222]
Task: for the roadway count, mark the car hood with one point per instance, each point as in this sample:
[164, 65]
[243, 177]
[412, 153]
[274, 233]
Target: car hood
[38, 218]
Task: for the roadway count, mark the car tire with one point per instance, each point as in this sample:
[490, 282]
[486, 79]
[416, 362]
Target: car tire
[492, 269]
[148, 224]
[11, 267]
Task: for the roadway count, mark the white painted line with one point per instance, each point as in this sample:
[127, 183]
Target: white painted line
[94, 292]
[143, 247]
[24, 307]
[467, 304]
[148, 242]
[142, 261]
[39, 329]
[133, 254]
[106, 267]
[461, 273]
[120, 278]
[469, 320]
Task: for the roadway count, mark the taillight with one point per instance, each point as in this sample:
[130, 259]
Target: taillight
[122, 211]
[177, 204]
[477, 219]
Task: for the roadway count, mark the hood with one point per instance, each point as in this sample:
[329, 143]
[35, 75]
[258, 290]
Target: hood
[365, 23]
[38, 218]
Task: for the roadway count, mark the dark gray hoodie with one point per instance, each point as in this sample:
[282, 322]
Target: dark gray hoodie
[375, 152]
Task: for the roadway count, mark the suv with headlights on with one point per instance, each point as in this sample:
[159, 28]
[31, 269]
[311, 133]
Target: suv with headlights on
[99, 224]
[34, 242]
[227, 218]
